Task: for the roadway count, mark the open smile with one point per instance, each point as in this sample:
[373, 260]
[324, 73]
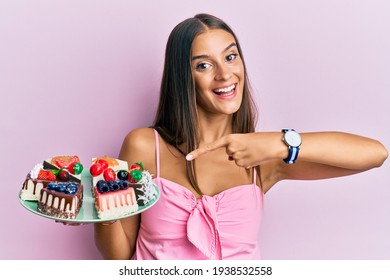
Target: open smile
[226, 91]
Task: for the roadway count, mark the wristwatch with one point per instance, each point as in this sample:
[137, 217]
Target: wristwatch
[293, 141]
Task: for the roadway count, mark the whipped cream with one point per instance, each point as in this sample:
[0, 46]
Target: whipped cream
[35, 171]
[147, 188]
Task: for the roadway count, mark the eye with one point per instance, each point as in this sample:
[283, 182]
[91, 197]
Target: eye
[231, 57]
[202, 66]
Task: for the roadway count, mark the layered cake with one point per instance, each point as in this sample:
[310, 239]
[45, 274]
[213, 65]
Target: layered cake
[119, 190]
[56, 185]
[61, 200]
[37, 179]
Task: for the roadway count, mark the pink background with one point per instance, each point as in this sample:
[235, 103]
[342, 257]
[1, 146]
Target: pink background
[76, 76]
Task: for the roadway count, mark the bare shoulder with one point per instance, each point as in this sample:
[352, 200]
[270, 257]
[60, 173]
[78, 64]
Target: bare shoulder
[139, 138]
[139, 145]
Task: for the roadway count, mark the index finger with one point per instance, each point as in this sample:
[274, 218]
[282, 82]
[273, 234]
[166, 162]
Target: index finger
[221, 142]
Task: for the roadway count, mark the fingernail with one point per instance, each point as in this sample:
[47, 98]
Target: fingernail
[189, 157]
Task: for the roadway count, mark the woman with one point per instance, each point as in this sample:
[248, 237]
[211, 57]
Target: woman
[211, 166]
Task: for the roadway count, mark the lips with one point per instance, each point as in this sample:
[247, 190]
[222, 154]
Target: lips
[225, 91]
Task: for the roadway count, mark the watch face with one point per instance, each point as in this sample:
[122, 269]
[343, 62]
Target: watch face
[292, 138]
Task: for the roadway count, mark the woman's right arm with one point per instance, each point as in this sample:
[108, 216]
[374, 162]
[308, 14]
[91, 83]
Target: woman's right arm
[118, 240]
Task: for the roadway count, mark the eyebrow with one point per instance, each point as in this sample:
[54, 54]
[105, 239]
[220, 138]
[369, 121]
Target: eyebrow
[206, 56]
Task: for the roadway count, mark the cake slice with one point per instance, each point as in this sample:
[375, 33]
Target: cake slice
[56, 186]
[114, 197]
[59, 168]
[118, 190]
[36, 180]
[61, 200]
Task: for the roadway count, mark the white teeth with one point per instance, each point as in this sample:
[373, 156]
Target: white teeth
[225, 89]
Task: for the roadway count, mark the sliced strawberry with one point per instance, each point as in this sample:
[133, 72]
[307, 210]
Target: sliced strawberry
[75, 159]
[46, 175]
[64, 162]
[137, 166]
[61, 163]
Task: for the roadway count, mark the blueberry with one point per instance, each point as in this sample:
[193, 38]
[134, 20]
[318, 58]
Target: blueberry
[72, 185]
[71, 188]
[52, 186]
[114, 186]
[61, 187]
[102, 186]
[122, 175]
[100, 182]
[124, 185]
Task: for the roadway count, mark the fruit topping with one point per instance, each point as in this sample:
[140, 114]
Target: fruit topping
[102, 186]
[110, 161]
[115, 181]
[96, 169]
[65, 161]
[122, 175]
[109, 174]
[114, 186]
[124, 185]
[75, 168]
[63, 175]
[137, 166]
[67, 188]
[47, 175]
[103, 163]
[135, 176]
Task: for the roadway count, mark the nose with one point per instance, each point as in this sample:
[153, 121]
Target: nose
[223, 73]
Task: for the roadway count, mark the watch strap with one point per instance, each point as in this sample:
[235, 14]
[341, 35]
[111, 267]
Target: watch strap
[292, 151]
[292, 155]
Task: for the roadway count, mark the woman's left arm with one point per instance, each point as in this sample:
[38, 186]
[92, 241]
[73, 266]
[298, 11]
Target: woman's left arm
[342, 150]
[334, 154]
[321, 155]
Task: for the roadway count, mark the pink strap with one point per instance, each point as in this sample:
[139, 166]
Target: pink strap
[157, 153]
[254, 175]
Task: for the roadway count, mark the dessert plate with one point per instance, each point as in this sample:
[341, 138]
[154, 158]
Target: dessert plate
[87, 213]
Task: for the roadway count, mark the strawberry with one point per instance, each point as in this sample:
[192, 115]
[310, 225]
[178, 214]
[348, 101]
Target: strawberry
[46, 175]
[65, 162]
[137, 166]
[61, 163]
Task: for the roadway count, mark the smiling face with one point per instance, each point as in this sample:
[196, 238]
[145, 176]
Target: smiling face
[218, 72]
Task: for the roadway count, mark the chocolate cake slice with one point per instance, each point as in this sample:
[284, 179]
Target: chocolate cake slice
[61, 200]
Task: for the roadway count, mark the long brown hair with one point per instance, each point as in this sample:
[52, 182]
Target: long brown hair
[176, 117]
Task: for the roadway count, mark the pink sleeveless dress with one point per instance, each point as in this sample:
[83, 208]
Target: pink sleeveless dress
[180, 226]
